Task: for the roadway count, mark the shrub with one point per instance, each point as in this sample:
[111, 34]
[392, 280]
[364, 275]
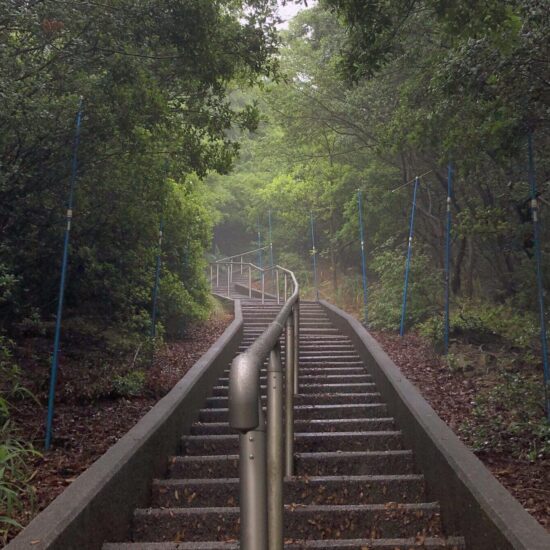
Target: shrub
[15, 476]
[480, 323]
[387, 292]
[130, 384]
[509, 417]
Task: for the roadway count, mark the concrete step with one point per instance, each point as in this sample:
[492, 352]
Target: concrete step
[312, 399]
[300, 522]
[307, 464]
[428, 543]
[318, 426]
[320, 375]
[201, 493]
[305, 331]
[312, 412]
[306, 389]
[193, 445]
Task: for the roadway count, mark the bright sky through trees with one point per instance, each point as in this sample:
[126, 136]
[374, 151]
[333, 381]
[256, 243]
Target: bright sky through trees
[289, 10]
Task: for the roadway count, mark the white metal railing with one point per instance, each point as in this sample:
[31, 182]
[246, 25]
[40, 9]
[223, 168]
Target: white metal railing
[266, 442]
[223, 278]
[242, 255]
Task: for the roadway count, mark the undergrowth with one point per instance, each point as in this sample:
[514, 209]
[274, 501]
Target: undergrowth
[15, 454]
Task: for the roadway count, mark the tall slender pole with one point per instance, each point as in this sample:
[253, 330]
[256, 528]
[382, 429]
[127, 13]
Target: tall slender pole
[448, 256]
[64, 261]
[157, 280]
[259, 245]
[538, 260]
[314, 256]
[363, 260]
[272, 263]
[408, 264]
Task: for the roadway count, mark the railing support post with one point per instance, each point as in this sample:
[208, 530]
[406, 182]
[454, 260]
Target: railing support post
[249, 282]
[296, 316]
[228, 282]
[211, 277]
[289, 398]
[241, 265]
[263, 286]
[218, 275]
[277, 284]
[253, 490]
[275, 504]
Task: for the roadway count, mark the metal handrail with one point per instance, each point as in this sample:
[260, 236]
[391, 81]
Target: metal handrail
[262, 463]
[244, 253]
[229, 281]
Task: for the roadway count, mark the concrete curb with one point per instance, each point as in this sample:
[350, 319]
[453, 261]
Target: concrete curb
[473, 503]
[99, 505]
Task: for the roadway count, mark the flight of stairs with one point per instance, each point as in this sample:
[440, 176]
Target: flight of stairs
[238, 278]
[356, 486]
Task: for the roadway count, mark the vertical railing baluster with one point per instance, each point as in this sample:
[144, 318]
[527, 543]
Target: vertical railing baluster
[277, 284]
[249, 281]
[275, 468]
[228, 283]
[253, 487]
[296, 316]
[289, 398]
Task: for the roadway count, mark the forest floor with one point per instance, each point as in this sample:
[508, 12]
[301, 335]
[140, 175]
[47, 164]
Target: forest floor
[452, 394]
[85, 431]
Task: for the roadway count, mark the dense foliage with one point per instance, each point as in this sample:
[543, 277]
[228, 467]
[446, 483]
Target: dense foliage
[427, 83]
[376, 93]
[155, 78]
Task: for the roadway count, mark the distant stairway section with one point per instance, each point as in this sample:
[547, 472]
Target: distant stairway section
[356, 485]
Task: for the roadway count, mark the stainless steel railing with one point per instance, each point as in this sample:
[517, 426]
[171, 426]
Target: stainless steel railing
[278, 279]
[242, 255]
[266, 441]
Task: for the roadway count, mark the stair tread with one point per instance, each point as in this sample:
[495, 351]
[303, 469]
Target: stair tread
[452, 543]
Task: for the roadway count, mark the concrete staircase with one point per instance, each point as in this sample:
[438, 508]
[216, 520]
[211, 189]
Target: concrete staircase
[356, 485]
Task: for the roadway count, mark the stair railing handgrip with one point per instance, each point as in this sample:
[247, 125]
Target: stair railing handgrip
[260, 482]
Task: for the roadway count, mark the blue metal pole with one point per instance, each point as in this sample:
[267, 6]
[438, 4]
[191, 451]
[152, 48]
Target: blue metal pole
[538, 260]
[363, 260]
[448, 256]
[314, 257]
[270, 240]
[64, 261]
[408, 264]
[157, 281]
